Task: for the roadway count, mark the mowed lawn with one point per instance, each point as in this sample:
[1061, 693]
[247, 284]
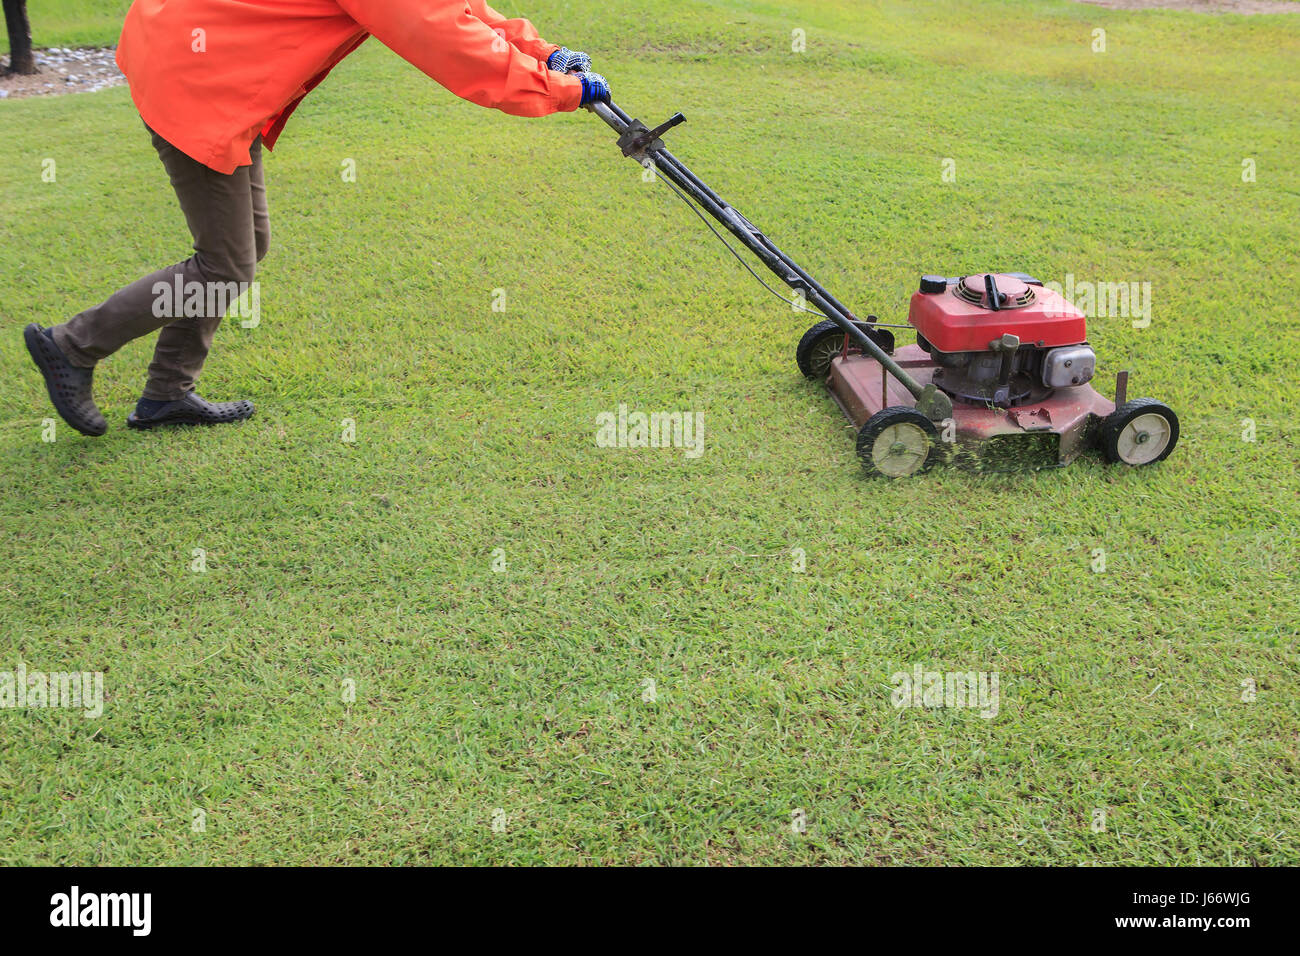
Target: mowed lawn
[573, 654]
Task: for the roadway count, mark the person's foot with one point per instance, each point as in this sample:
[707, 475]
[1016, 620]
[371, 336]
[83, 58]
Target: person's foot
[69, 385]
[190, 409]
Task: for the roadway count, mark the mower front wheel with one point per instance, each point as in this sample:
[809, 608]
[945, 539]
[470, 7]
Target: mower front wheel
[897, 442]
[1140, 432]
[821, 343]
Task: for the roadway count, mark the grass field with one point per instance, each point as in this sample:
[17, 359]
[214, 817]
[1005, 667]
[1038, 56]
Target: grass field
[501, 592]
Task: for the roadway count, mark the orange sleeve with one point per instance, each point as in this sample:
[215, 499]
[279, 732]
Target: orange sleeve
[520, 32]
[445, 40]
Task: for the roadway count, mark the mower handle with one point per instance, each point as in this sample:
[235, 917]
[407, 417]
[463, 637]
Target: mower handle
[611, 114]
[644, 145]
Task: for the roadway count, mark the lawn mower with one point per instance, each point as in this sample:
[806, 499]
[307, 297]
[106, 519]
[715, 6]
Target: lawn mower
[999, 375]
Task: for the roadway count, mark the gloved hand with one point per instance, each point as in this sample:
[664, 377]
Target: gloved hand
[565, 60]
[594, 87]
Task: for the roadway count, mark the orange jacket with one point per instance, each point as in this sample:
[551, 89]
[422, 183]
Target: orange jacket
[210, 75]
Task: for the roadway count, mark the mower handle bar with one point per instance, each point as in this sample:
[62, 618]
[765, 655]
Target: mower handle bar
[642, 144]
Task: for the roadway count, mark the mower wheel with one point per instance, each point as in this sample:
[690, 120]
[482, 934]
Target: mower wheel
[897, 442]
[1140, 432]
[823, 342]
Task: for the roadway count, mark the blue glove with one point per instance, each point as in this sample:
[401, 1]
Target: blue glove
[594, 87]
[565, 60]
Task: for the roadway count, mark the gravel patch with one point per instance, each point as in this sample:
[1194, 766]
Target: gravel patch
[63, 70]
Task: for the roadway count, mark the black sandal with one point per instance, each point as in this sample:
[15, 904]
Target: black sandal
[69, 385]
[193, 410]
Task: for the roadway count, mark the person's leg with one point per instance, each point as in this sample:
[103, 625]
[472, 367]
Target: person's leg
[231, 236]
[227, 218]
[218, 209]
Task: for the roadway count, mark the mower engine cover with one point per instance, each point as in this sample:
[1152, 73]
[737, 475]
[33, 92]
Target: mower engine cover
[967, 314]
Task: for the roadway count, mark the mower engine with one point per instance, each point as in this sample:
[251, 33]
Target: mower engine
[1000, 339]
[1012, 356]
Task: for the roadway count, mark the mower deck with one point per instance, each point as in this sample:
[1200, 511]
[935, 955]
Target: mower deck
[1048, 432]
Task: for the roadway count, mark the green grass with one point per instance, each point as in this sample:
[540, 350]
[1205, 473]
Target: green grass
[76, 22]
[522, 690]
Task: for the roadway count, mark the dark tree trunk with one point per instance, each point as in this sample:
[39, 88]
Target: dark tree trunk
[20, 37]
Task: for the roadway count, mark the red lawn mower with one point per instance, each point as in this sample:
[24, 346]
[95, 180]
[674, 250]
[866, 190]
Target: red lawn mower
[999, 375]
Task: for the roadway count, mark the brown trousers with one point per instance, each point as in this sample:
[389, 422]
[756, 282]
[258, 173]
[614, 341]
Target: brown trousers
[227, 218]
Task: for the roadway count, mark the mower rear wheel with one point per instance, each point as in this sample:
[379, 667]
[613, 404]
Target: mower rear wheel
[821, 343]
[897, 442]
[1140, 432]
